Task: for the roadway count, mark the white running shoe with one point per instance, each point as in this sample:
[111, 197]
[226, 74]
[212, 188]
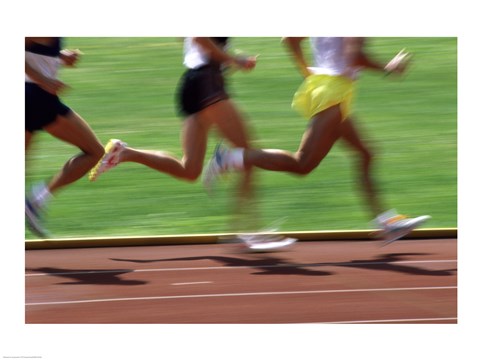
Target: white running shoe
[34, 219]
[215, 168]
[395, 226]
[109, 160]
[35, 205]
[265, 241]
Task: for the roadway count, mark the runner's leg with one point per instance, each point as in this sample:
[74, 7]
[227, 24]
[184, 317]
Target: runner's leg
[352, 137]
[194, 141]
[72, 129]
[231, 125]
[321, 134]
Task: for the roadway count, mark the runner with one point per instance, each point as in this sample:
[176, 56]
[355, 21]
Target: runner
[204, 101]
[45, 111]
[325, 98]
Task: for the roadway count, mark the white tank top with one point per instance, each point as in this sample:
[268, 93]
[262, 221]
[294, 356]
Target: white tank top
[329, 57]
[44, 58]
[45, 65]
[194, 56]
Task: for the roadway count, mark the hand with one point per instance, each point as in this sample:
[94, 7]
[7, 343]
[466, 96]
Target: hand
[70, 57]
[245, 62]
[399, 63]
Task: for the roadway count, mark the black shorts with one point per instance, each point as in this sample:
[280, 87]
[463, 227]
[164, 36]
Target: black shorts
[41, 107]
[200, 88]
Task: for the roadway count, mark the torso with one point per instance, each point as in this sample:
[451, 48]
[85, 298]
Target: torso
[329, 58]
[43, 55]
[195, 56]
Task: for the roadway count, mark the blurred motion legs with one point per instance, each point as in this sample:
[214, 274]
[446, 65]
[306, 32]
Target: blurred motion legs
[351, 137]
[72, 129]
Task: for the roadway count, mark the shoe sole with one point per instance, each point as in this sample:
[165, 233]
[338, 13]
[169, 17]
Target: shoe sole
[265, 242]
[272, 245]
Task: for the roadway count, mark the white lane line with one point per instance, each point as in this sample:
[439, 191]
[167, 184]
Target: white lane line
[193, 283]
[240, 294]
[387, 321]
[241, 267]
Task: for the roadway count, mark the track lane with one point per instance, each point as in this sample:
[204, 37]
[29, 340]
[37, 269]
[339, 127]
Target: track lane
[314, 282]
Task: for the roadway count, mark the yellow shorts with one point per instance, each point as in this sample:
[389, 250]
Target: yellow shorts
[319, 92]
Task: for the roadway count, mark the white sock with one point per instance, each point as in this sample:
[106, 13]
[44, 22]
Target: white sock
[235, 159]
[41, 194]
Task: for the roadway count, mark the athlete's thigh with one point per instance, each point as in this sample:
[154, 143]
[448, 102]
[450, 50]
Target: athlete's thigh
[321, 134]
[72, 129]
[194, 141]
[351, 135]
[28, 139]
[229, 122]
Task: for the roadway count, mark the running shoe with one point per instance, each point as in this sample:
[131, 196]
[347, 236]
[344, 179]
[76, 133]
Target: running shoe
[267, 240]
[109, 160]
[394, 226]
[34, 219]
[399, 63]
[215, 168]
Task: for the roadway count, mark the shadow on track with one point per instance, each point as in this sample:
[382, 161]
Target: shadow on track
[269, 265]
[90, 277]
[395, 262]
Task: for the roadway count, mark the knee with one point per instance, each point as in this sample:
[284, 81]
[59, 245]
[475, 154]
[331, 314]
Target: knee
[97, 152]
[304, 164]
[192, 175]
[304, 169]
[367, 157]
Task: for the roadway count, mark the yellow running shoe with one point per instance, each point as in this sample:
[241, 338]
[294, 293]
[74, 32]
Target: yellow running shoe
[109, 160]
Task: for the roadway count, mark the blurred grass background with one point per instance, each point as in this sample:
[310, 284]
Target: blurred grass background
[124, 88]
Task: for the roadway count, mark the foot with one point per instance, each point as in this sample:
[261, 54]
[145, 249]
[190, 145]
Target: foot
[267, 241]
[394, 226]
[215, 168]
[34, 219]
[109, 160]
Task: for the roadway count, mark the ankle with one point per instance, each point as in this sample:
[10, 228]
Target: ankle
[41, 194]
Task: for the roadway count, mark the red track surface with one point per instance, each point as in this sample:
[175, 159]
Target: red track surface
[412, 281]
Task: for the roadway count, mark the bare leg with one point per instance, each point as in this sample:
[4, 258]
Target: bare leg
[74, 130]
[231, 125]
[352, 137]
[28, 139]
[194, 142]
[318, 139]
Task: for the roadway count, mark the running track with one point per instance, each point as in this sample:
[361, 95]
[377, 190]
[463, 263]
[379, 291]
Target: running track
[409, 281]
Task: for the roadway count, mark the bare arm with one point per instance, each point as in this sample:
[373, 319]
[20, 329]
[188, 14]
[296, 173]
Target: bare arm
[219, 55]
[294, 45]
[356, 55]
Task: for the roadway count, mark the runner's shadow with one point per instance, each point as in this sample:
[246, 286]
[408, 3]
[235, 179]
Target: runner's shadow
[90, 277]
[393, 262]
[269, 265]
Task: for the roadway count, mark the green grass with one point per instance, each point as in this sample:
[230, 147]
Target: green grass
[124, 88]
